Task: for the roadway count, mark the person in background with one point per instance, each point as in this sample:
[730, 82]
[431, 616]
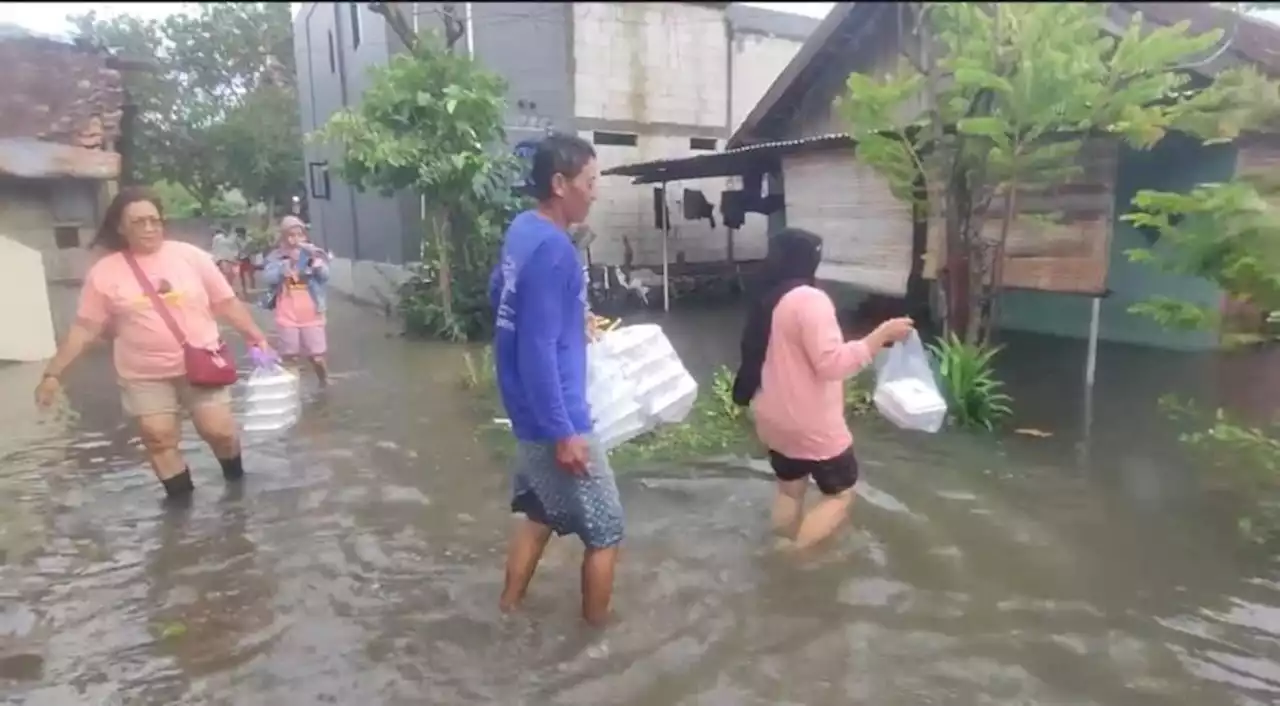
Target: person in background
[248, 267]
[226, 253]
[150, 359]
[794, 363]
[295, 275]
[562, 481]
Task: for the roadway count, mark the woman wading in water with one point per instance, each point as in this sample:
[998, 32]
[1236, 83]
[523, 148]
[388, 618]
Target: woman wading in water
[794, 363]
[163, 299]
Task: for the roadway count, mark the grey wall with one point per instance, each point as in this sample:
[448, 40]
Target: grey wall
[529, 45]
[364, 226]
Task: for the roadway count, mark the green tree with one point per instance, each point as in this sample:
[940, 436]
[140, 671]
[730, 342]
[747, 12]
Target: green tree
[221, 109]
[1225, 233]
[133, 37]
[1007, 94]
[431, 121]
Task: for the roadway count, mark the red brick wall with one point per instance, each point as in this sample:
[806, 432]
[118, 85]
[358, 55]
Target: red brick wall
[59, 93]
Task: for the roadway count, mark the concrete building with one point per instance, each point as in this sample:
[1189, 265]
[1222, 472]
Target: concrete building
[639, 80]
[60, 113]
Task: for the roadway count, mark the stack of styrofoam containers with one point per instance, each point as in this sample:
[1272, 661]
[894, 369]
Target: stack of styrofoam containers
[911, 403]
[271, 400]
[635, 383]
[616, 416]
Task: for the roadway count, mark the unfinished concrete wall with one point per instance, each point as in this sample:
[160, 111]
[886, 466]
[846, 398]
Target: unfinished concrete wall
[650, 63]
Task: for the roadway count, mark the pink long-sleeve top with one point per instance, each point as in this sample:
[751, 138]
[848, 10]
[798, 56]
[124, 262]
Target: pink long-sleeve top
[799, 410]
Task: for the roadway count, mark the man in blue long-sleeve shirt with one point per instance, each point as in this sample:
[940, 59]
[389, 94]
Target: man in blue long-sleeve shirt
[563, 482]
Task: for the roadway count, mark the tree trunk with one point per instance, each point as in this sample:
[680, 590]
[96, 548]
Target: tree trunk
[953, 279]
[445, 275]
[270, 215]
[997, 267]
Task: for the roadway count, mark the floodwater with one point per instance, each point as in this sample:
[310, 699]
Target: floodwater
[361, 561]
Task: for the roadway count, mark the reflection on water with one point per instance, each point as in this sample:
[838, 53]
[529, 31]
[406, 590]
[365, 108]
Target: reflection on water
[361, 561]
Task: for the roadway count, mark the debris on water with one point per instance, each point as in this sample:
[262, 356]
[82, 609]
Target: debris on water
[1035, 433]
[171, 630]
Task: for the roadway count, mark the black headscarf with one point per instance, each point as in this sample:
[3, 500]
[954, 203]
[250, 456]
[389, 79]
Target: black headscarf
[792, 261]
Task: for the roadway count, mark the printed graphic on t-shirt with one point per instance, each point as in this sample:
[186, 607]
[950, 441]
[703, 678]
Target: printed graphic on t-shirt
[506, 302]
[164, 288]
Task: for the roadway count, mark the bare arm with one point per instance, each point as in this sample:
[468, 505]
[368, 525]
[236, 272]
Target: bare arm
[82, 334]
[234, 312]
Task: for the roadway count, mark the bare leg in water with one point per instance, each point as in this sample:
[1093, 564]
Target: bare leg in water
[807, 529]
[528, 541]
[524, 551]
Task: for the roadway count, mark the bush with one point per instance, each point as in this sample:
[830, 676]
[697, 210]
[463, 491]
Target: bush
[969, 385]
[1248, 455]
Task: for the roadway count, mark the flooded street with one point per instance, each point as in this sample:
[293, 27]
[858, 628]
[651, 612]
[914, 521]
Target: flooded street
[362, 559]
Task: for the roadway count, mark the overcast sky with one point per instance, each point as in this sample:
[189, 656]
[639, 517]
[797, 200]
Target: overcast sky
[51, 18]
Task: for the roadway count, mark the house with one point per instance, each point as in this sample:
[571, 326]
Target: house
[59, 123]
[796, 140]
[637, 79]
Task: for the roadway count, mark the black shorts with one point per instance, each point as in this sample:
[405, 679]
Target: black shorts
[833, 475]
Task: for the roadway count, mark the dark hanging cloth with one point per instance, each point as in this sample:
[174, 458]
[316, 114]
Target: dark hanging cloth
[792, 261]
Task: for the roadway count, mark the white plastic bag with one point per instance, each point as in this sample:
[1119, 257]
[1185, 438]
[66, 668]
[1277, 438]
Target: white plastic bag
[271, 400]
[636, 382]
[906, 392]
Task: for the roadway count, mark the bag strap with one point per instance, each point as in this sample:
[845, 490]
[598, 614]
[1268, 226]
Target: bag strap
[156, 301]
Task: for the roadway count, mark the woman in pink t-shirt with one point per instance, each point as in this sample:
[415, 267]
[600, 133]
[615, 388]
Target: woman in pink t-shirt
[794, 363]
[296, 276]
[149, 357]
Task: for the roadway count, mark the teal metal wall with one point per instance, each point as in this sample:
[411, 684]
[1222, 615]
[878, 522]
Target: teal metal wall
[1177, 163]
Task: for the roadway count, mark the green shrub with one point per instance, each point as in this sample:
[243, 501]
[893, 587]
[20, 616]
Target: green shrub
[969, 385]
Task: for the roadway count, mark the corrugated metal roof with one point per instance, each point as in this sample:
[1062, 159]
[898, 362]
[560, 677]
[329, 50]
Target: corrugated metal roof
[732, 162]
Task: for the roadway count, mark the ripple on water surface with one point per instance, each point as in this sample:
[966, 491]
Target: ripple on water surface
[360, 564]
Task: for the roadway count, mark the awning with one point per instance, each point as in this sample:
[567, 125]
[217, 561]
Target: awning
[761, 158]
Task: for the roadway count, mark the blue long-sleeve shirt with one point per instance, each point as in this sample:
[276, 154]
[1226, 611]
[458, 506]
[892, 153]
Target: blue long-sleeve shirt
[540, 342]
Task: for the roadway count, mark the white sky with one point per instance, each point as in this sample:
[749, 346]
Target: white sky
[50, 18]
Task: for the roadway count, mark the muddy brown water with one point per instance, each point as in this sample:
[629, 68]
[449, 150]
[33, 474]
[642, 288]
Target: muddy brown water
[361, 561]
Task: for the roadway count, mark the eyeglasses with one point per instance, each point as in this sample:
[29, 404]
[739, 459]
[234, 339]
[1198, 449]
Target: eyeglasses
[146, 222]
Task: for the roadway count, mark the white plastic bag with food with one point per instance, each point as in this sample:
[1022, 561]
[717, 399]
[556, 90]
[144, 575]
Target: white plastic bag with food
[636, 382]
[906, 392]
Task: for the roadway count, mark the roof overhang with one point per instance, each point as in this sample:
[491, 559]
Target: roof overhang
[29, 158]
[1247, 41]
[752, 159]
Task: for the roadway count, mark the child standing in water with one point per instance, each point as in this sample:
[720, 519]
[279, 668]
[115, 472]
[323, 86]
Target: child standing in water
[295, 275]
[794, 363]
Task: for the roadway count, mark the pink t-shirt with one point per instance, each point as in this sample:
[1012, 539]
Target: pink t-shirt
[188, 281]
[799, 409]
[295, 307]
